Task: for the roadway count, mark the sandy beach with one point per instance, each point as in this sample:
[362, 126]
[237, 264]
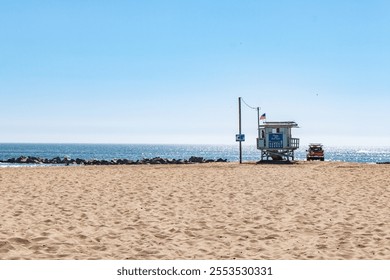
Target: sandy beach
[309, 210]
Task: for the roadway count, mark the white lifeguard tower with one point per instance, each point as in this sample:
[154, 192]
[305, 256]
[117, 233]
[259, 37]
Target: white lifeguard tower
[275, 141]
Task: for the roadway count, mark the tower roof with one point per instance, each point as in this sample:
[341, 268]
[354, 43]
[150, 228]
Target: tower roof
[280, 124]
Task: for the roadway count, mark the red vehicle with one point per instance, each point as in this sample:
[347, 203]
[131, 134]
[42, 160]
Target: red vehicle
[315, 152]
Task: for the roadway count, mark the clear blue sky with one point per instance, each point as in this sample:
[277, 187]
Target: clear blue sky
[171, 71]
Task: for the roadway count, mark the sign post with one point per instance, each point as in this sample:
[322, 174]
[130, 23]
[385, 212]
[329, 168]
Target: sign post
[239, 127]
[241, 137]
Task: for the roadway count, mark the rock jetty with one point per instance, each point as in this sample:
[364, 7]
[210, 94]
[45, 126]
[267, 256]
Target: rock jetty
[79, 161]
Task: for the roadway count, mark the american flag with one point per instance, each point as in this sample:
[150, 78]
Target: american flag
[262, 117]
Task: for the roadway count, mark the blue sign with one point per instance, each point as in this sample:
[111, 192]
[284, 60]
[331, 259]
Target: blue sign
[275, 137]
[275, 140]
[240, 137]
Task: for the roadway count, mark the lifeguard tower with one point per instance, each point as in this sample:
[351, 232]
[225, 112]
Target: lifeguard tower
[275, 141]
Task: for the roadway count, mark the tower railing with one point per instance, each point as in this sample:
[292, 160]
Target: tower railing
[294, 143]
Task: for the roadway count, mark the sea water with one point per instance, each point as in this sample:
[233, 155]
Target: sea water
[141, 151]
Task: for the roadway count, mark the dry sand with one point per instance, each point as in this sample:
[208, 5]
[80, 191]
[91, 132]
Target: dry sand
[309, 210]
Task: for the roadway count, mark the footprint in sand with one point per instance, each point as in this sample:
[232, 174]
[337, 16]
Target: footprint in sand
[19, 241]
[52, 249]
[39, 239]
[5, 247]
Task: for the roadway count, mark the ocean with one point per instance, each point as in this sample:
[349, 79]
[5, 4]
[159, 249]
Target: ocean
[140, 151]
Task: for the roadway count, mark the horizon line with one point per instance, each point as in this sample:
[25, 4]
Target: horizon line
[178, 144]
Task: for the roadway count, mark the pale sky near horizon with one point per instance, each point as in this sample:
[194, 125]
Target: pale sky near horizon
[172, 71]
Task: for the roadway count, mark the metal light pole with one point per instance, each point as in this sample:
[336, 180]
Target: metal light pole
[258, 122]
[239, 126]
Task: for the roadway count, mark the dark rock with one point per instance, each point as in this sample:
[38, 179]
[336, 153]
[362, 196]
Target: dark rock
[96, 162]
[56, 160]
[158, 160]
[66, 160]
[80, 161]
[196, 159]
[33, 160]
[21, 159]
[128, 161]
